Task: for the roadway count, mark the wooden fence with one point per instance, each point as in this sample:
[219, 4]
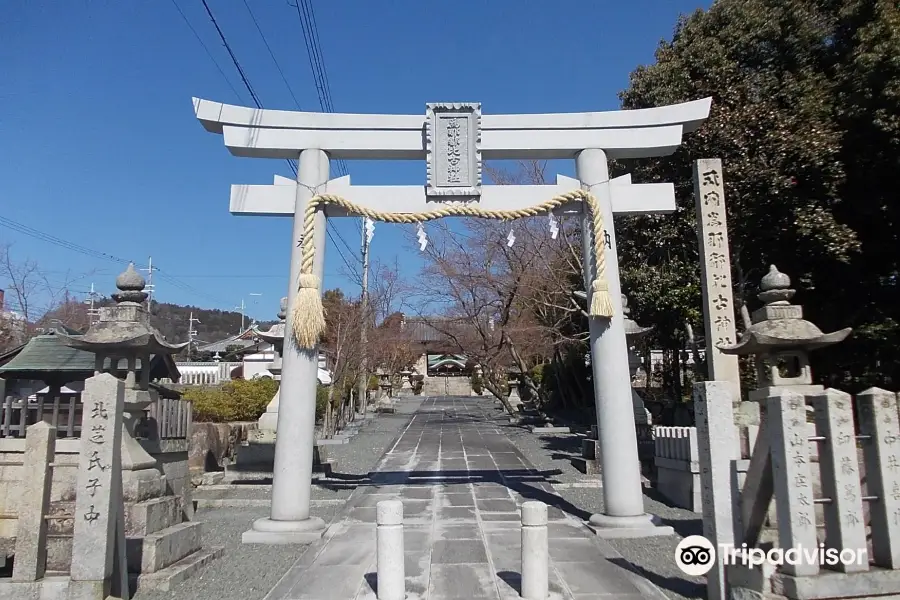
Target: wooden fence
[170, 417]
[63, 412]
[173, 418]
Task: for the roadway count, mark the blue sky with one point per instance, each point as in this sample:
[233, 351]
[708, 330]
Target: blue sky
[99, 145]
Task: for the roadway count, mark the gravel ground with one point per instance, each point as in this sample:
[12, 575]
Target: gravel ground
[248, 572]
[652, 557]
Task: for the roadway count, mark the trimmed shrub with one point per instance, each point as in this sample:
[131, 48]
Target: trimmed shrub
[321, 402]
[238, 400]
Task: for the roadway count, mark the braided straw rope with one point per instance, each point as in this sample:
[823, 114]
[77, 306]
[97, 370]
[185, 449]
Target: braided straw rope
[307, 315]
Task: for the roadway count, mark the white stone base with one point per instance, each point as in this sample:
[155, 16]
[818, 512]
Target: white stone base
[267, 531]
[679, 482]
[269, 419]
[641, 526]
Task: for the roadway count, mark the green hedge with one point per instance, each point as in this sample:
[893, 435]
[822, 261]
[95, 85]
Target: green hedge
[238, 400]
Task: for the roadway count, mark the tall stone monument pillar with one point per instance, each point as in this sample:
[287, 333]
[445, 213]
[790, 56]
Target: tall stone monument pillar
[715, 272]
[290, 521]
[623, 499]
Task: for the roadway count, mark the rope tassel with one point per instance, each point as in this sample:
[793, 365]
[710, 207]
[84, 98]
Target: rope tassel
[307, 314]
[601, 301]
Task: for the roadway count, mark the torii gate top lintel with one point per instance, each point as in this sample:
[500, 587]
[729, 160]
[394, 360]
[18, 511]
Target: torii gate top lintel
[265, 133]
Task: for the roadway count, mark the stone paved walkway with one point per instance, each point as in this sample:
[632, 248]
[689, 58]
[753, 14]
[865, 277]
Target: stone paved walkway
[462, 482]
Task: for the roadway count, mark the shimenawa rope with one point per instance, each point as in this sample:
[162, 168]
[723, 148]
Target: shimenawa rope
[307, 314]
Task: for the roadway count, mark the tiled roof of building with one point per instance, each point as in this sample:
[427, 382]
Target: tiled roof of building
[44, 355]
[241, 340]
[431, 329]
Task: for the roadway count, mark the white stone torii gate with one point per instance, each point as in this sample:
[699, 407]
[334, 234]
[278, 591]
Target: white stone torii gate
[454, 139]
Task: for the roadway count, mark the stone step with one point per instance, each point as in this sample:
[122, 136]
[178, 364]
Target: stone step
[177, 572]
[586, 466]
[150, 516]
[163, 548]
[141, 518]
[263, 474]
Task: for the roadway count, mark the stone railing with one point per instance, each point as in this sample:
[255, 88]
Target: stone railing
[848, 500]
[677, 461]
[204, 373]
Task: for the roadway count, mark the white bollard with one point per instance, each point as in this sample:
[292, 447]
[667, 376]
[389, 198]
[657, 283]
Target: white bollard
[389, 552]
[535, 551]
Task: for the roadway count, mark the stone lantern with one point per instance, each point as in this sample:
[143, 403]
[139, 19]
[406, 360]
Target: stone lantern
[405, 383]
[633, 334]
[275, 336]
[123, 339]
[781, 340]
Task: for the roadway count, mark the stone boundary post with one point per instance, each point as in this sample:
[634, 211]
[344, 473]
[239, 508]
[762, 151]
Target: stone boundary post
[715, 272]
[98, 544]
[31, 528]
[878, 419]
[717, 446]
[389, 550]
[535, 551]
[792, 477]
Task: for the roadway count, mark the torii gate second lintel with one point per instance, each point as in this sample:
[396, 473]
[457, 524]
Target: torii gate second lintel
[454, 139]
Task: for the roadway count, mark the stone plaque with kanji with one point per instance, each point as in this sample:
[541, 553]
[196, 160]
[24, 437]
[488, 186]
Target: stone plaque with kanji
[453, 154]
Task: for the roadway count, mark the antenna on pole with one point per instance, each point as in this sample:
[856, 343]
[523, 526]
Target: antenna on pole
[243, 308]
[192, 333]
[149, 287]
[93, 313]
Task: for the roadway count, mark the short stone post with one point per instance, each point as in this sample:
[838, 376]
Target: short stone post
[535, 551]
[792, 477]
[98, 544]
[31, 528]
[839, 466]
[715, 449]
[878, 419]
[389, 552]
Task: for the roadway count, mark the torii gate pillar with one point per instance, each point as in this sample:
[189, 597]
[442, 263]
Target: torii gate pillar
[623, 499]
[290, 522]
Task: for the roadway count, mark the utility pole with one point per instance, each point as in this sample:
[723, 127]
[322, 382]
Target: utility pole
[149, 287]
[192, 334]
[368, 230]
[92, 312]
[243, 309]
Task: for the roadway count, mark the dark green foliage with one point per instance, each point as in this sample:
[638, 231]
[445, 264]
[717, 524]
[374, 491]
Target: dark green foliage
[806, 118]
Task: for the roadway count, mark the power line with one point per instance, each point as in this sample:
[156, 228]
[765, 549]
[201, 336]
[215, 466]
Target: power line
[40, 235]
[46, 237]
[234, 59]
[346, 245]
[310, 30]
[340, 252]
[240, 70]
[208, 53]
[272, 54]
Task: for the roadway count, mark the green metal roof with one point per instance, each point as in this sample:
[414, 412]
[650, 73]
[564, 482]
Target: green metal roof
[436, 361]
[44, 355]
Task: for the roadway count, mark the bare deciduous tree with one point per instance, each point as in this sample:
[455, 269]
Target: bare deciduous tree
[36, 299]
